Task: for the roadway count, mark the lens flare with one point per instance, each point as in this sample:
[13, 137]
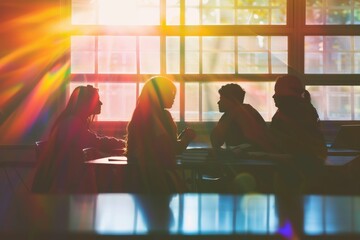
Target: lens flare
[32, 65]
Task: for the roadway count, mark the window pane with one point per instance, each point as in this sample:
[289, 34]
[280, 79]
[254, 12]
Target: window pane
[215, 16]
[150, 55]
[218, 12]
[253, 54]
[331, 54]
[82, 54]
[253, 62]
[332, 102]
[192, 55]
[83, 12]
[192, 102]
[125, 12]
[172, 55]
[338, 102]
[119, 100]
[192, 12]
[279, 62]
[117, 54]
[257, 17]
[260, 12]
[356, 102]
[218, 55]
[172, 12]
[332, 12]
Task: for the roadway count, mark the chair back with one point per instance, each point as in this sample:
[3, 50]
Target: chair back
[42, 178]
[40, 147]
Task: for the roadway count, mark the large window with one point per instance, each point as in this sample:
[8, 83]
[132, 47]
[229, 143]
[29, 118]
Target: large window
[204, 44]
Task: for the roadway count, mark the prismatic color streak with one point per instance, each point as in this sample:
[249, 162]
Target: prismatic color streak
[32, 66]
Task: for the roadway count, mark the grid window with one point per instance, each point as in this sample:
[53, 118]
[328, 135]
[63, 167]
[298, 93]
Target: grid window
[332, 12]
[82, 54]
[150, 55]
[192, 55]
[147, 12]
[116, 54]
[173, 55]
[218, 55]
[336, 102]
[260, 12]
[332, 54]
[254, 54]
[204, 44]
[172, 12]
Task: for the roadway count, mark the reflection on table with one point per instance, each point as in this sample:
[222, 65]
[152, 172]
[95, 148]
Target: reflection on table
[195, 161]
[183, 215]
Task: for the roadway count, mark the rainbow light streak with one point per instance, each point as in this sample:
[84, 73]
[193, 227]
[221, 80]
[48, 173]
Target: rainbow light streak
[9, 93]
[33, 105]
[32, 67]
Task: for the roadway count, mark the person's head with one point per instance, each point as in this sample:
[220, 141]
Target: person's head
[230, 94]
[84, 101]
[158, 92]
[288, 88]
[307, 96]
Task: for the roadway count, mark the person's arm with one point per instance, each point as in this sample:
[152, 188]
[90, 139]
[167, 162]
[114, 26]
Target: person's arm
[86, 138]
[217, 135]
[184, 139]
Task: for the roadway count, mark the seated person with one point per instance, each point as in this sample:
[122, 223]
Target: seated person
[296, 126]
[153, 140]
[61, 169]
[296, 123]
[240, 123]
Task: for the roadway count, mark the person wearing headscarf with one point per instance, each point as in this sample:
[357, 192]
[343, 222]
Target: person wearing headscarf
[152, 139]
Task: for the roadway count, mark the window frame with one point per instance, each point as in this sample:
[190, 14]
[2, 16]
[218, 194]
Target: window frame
[295, 29]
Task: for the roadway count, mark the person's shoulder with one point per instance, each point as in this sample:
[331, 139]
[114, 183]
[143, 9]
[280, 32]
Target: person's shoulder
[167, 114]
[248, 106]
[250, 109]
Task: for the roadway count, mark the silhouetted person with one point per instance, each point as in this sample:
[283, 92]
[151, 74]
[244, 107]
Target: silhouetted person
[61, 168]
[152, 139]
[296, 126]
[240, 123]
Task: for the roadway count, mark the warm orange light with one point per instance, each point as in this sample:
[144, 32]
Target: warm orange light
[32, 66]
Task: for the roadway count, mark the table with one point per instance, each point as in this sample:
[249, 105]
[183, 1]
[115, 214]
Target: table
[197, 161]
[179, 216]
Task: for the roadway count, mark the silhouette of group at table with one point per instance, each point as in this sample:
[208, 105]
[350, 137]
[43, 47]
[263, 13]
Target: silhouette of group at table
[153, 139]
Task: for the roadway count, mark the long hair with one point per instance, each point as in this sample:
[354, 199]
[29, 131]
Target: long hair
[154, 92]
[82, 102]
[150, 107]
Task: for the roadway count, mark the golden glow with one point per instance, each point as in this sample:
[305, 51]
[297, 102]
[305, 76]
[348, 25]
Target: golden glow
[32, 65]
